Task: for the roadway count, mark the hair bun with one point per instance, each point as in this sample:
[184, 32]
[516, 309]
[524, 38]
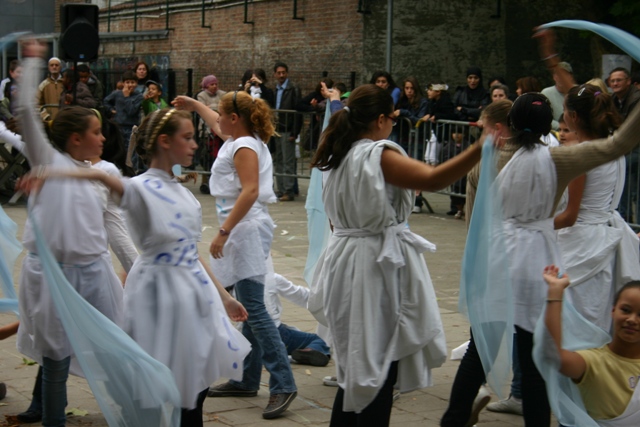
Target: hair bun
[531, 112]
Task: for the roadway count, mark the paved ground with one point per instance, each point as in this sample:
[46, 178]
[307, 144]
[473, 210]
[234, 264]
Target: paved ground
[312, 407]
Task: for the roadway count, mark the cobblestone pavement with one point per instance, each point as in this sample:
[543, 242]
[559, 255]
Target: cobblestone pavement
[313, 405]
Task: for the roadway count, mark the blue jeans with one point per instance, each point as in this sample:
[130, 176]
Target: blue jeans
[54, 391]
[294, 339]
[266, 345]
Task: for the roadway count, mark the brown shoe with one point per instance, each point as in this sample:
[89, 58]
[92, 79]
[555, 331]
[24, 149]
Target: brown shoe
[286, 198]
[278, 403]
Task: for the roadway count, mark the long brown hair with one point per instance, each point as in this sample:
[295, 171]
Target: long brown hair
[595, 110]
[256, 112]
[364, 106]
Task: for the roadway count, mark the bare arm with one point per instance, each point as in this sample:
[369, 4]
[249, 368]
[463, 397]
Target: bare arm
[548, 53]
[9, 330]
[234, 308]
[405, 172]
[569, 216]
[209, 116]
[572, 364]
[34, 179]
[246, 163]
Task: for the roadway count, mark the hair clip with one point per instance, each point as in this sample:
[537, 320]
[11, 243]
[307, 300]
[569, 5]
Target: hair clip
[581, 90]
[536, 103]
[597, 93]
[347, 110]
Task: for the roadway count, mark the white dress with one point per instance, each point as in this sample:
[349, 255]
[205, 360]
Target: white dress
[172, 308]
[596, 243]
[70, 214]
[247, 248]
[524, 185]
[371, 285]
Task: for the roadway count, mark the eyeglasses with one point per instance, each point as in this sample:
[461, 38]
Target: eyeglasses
[394, 120]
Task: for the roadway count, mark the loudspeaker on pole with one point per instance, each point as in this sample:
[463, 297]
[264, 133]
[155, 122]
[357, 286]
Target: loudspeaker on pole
[79, 40]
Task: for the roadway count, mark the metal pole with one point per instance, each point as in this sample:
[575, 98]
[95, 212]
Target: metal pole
[109, 17]
[389, 33]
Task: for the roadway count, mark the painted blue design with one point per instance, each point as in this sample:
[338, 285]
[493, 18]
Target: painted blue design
[159, 257]
[235, 365]
[231, 341]
[151, 183]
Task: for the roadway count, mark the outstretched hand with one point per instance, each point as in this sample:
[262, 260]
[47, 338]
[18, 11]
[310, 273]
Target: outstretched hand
[556, 281]
[32, 181]
[235, 310]
[33, 48]
[184, 103]
[546, 42]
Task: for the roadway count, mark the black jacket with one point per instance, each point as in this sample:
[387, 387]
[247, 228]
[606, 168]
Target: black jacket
[289, 122]
[471, 100]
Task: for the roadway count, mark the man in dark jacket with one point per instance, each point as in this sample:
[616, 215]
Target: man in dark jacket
[289, 124]
[626, 97]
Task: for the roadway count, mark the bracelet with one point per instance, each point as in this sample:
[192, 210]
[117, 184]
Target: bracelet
[549, 57]
[224, 232]
[554, 300]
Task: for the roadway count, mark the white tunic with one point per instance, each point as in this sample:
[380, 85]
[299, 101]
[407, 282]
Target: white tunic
[372, 284]
[597, 242]
[248, 245]
[172, 308]
[630, 417]
[70, 215]
[525, 185]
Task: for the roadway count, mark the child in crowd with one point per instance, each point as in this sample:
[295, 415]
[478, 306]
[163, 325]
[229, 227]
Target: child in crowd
[607, 377]
[153, 98]
[565, 135]
[125, 105]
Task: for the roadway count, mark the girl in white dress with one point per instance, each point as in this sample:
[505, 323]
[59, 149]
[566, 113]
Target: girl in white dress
[71, 216]
[174, 306]
[597, 270]
[242, 183]
[371, 285]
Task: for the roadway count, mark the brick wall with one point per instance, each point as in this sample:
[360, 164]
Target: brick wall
[329, 39]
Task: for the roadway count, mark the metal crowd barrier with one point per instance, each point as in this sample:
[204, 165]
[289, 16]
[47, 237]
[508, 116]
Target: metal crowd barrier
[435, 143]
[308, 124]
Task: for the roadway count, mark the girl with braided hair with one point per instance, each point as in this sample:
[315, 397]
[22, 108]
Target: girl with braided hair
[174, 306]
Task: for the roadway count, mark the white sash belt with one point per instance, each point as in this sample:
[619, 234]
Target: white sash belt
[391, 252]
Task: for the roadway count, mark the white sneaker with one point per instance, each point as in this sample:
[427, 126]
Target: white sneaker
[479, 403]
[508, 406]
[330, 381]
[416, 209]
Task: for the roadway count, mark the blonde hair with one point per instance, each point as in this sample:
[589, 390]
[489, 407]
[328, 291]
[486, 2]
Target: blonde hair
[599, 83]
[161, 122]
[255, 112]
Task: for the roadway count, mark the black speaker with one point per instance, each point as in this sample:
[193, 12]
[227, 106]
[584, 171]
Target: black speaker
[79, 40]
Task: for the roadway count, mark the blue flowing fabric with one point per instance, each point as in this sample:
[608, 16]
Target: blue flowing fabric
[318, 228]
[10, 248]
[625, 41]
[131, 387]
[485, 284]
[577, 332]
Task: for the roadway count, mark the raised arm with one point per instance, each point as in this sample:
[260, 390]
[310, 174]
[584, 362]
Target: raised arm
[572, 364]
[11, 138]
[34, 179]
[209, 116]
[38, 150]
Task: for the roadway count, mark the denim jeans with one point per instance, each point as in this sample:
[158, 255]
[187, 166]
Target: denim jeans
[54, 391]
[294, 339]
[266, 345]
